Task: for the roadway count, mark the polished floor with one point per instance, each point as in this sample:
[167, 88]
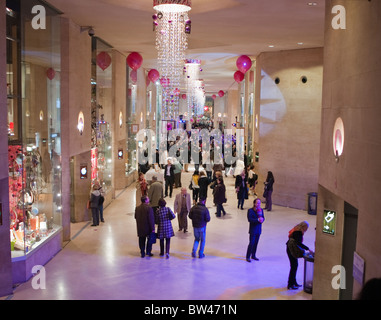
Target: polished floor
[104, 262]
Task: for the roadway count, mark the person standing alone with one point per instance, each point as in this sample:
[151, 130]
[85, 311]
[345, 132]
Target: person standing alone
[199, 214]
[182, 206]
[169, 177]
[256, 218]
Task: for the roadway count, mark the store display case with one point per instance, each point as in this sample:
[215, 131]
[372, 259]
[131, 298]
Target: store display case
[34, 143]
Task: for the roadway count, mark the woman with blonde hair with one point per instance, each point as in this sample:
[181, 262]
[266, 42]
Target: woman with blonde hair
[295, 240]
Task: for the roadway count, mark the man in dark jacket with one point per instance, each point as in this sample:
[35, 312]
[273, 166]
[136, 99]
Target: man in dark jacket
[145, 223]
[169, 177]
[199, 214]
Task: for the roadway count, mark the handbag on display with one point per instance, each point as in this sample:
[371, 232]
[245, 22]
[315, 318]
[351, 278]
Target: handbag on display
[295, 249]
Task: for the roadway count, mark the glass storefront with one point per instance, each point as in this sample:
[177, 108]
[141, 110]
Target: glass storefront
[34, 147]
[101, 114]
[132, 122]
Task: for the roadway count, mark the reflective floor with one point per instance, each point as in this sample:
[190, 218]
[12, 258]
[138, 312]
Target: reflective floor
[104, 262]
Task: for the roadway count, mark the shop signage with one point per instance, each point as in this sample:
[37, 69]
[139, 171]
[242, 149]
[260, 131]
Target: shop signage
[329, 222]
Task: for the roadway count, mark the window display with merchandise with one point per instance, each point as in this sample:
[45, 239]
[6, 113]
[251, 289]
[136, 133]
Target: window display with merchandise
[31, 221]
[34, 142]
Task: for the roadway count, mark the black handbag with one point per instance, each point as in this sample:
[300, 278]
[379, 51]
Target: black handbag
[295, 249]
[152, 238]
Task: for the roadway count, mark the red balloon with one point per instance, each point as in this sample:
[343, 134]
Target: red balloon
[153, 75]
[103, 60]
[184, 96]
[239, 76]
[50, 73]
[221, 93]
[244, 64]
[134, 60]
[214, 97]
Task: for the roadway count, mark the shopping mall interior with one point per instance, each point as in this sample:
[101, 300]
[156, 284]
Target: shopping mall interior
[96, 91]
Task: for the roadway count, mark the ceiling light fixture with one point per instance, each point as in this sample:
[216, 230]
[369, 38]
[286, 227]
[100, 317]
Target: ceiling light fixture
[172, 26]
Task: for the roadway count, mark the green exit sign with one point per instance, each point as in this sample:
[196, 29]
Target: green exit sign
[329, 222]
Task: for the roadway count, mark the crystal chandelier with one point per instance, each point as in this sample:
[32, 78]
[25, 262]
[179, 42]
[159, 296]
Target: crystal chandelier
[193, 84]
[172, 25]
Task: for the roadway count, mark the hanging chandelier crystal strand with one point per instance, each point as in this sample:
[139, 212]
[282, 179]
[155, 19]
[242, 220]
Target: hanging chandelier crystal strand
[191, 70]
[172, 25]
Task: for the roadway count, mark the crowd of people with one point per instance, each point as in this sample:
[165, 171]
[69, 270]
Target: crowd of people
[152, 210]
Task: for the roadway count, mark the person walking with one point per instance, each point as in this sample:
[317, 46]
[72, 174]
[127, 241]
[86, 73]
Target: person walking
[145, 225]
[203, 183]
[219, 196]
[141, 188]
[252, 179]
[295, 238]
[169, 177]
[178, 168]
[101, 200]
[94, 204]
[155, 193]
[195, 186]
[163, 217]
[199, 214]
[241, 188]
[182, 206]
[269, 191]
[256, 218]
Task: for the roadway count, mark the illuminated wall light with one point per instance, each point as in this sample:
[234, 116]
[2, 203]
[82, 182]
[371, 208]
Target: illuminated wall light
[41, 115]
[81, 123]
[120, 119]
[338, 138]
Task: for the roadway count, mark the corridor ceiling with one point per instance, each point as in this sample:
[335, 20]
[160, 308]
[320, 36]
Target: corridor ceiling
[222, 30]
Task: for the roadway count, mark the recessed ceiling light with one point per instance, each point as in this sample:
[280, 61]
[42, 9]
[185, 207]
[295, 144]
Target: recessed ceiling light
[300, 43]
[312, 4]
[271, 46]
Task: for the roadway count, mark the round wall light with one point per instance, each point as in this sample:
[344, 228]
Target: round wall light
[81, 122]
[338, 138]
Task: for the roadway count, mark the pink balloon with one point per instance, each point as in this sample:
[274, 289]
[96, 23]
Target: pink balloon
[184, 96]
[103, 60]
[153, 75]
[50, 73]
[221, 93]
[134, 76]
[134, 60]
[214, 97]
[239, 76]
[244, 63]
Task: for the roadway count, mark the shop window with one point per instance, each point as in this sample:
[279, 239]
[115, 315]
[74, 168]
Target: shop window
[132, 124]
[101, 112]
[34, 148]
